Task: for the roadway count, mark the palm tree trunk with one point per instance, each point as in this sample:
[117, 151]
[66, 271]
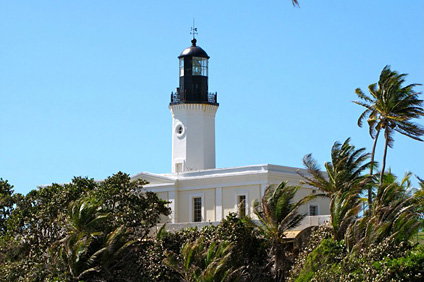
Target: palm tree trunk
[278, 263]
[372, 168]
[332, 218]
[386, 145]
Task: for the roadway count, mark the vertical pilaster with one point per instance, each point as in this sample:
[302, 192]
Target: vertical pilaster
[218, 204]
[263, 188]
[173, 206]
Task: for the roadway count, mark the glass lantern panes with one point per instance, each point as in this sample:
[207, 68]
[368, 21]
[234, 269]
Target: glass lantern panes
[182, 67]
[200, 66]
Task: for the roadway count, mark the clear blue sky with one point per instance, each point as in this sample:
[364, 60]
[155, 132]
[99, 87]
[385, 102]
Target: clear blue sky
[85, 85]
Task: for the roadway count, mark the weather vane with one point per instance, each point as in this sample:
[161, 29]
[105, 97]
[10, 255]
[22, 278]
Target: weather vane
[193, 30]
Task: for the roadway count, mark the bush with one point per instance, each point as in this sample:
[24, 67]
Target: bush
[249, 252]
[386, 261]
[409, 267]
[317, 235]
[328, 253]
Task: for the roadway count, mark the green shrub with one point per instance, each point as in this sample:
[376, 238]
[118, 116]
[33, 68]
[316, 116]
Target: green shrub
[386, 261]
[328, 253]
[317, 235]
[407, 268]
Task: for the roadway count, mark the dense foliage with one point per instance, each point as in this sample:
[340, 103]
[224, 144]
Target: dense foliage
[372, 244]
[80, 230]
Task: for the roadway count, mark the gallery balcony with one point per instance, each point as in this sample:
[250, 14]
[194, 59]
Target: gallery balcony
[185, 98]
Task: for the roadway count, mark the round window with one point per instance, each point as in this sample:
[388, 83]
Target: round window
[179, 130]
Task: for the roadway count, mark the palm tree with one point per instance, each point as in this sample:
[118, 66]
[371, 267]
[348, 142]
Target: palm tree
[84, 219]
[390, 107]
[420, 196]
[91, 248]
[202, 262]
[278, 213]
[395, 215]
[343, 183]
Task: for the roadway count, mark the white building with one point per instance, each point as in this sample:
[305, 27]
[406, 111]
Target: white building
[196, 189]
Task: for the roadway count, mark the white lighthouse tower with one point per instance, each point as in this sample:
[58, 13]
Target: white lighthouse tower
[193, 111]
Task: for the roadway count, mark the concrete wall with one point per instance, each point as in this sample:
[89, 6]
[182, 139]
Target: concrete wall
[229, 197]
[185, 204]
[322, 203]
[164, 196]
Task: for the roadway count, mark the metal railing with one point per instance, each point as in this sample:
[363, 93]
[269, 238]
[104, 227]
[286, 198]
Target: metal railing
[210, 98]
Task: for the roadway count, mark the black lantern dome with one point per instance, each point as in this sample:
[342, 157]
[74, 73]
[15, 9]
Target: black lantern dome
[193, 87]
[193, 51]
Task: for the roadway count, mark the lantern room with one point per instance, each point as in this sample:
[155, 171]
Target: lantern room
[193, 76]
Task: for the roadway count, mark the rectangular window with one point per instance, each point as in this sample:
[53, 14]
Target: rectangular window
[242, 205]
[197, 209]
[313, 210]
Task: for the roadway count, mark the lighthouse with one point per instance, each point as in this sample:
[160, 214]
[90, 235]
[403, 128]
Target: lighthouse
[193, 110]
[197, 192]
